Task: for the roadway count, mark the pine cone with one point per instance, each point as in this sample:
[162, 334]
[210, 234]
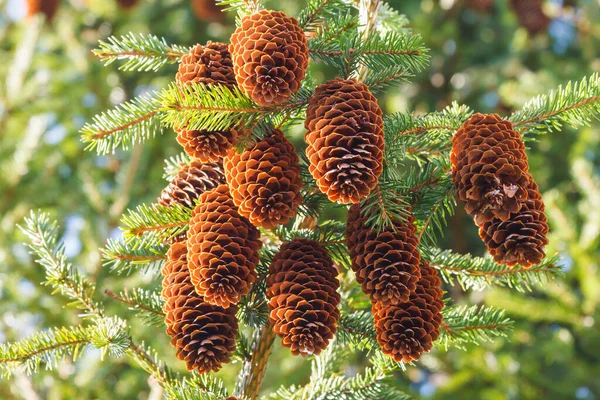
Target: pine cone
[208, 64]
[489, 167]
[206, 10]
[46, 7]
[521, 238]
[270, 56]
[386, 264]
[265, 181]
[531, 16]
[202, 334]
[303, 301]
[191, 181]
[222, 249]
[206, 146]
[407, 330]
[345, 140]
[480, 5]
[127, 4]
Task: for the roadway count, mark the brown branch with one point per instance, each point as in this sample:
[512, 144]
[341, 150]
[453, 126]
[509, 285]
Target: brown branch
[451, 331]
[419, 130]
[253, 370]
[103, 133]
[42, 350]
[145, 357]
[132, 303]
[312, 16]
[168, 54]
[508, 271]
[131, 257]
[140, 231]
[580, 104]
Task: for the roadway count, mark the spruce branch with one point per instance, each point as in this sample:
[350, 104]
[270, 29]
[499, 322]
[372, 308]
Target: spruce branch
[153, 225]
[127, 256]
[196, 387]
[174, 164]
[318, 12]
[142, 52]
[147, 303]
[242, 7]
[575, 104]
[149, 360]
[384, 207]
[474, 324]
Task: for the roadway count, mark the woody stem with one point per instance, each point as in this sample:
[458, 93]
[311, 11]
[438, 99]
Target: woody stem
[253, 369]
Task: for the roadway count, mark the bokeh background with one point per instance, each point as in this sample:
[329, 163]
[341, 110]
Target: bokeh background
[50, 84]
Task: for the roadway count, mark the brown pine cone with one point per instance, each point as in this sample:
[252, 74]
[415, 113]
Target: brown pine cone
[191, 181]
[303, 300]
[265, 181]
[531, 15]
[46, 7]
[207, 10]
[480, 5]
[521, 238]
[222, 249]
[270, 56]
[407, 330]
[127, 4]
[206, 146]
[209, 64]
[489, 167]
[202, 334]
[386, 264]
[345, 140]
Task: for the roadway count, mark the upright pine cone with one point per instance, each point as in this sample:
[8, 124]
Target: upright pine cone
[521, 238]
[206, 10]
[407, 330]
[206, 146]
[191, 181]
[386, 264]
[489, 167]
[46, 7]
[345, 139]
[531, 15]
[270, 56]
[127, 4]
[301, 289]
[222, 249]
[208, 64]
[202, 334]
[265, 181]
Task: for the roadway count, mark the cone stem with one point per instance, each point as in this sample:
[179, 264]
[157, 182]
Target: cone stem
[253, 369]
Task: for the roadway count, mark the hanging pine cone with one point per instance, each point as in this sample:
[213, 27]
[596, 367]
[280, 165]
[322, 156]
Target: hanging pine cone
[345, 140]
[191, 181]
[265, 181]
[385, 263]
[531, 15]
[489, 167]
[407, 330]
[206, 146]
[222, 249]
[270, 56]
[303, 301]
[208, 64]
[202, 334]
[483, 6]
[521, 238]
[127, 4]
[46, 7]
[206, 10]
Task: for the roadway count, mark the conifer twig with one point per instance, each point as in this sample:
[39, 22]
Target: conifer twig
[253, 370]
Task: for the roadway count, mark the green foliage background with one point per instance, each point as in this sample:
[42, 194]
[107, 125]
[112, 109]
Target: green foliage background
[50, 84]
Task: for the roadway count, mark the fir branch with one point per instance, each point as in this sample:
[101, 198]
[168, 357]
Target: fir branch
[126, 256]
[481, 272]
[383, 207]
[243, 7]
[196, 387]
[153, 225]
[174, 164]
[394, 49]
[142, 52]
[317, 12]
[357, 330]
[60, 274]
[378, 80]
[149, 360]
[474, 324]
[147, 303]
[575, 104]
[125, 125]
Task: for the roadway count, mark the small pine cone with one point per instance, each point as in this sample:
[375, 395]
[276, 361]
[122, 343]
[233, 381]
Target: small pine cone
[265, 181]
[127, 4]
[208, 64]
[46, 7]
[206, 10]
[202, 334]
[480, 5]
[386, 264]
[270, 56]
[206, 146]
[407, 330]
[345, 140]
[222, 249]
[521, 238]
[303, 300]
[531, 15]
[489, 167]
[191, 181]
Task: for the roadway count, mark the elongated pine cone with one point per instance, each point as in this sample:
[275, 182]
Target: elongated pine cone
[345, 140]
[531, 15]
[489, 167]
[208, 64]
[206, 146]
[386, 264]
[265, 181]
[303, 300]
[222, 249]
[407, 330]
[521, 238]
[191, 181]
[46, 7]
[206, 10]
[127, 4]
[202, 334]
[270, 56]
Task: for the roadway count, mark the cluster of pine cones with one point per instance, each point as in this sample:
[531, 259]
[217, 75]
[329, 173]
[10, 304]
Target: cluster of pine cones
[233, 193]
